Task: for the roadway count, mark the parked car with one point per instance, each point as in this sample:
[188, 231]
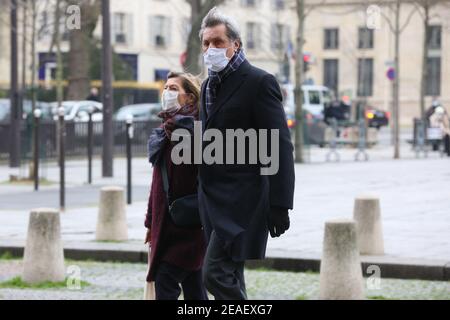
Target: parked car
[377, 118]
[78, 111]
[5, 110]
[315, 100]
[143, 116]
[140, 112]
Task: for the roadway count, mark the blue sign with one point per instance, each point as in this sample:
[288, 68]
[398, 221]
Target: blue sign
[391, 74]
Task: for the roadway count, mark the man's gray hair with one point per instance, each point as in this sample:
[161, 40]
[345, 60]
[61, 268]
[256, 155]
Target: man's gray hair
[215, 18]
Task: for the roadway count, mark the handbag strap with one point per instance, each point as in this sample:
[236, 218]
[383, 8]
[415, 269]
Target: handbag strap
[165, 178]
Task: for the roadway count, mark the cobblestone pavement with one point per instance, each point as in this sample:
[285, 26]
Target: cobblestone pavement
[125, 281]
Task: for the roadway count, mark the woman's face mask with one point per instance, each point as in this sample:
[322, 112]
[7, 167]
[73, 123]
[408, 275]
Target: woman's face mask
[170, 100]
[216, 59]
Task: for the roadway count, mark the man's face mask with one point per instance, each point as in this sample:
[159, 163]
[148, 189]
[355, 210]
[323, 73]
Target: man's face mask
[170, 100]
[216, 59]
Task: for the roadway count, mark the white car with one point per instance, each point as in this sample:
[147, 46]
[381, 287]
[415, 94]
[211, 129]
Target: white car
[315, 99]
[78, 111]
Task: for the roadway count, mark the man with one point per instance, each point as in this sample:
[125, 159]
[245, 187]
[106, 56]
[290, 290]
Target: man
[440, 119]
[238, 205]
[93, 96]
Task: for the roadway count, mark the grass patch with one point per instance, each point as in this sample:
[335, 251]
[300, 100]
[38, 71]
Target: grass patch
[302, 297]
[28, 182]
[18, 283]
[7, 256]
[380, 298]
[310, 272]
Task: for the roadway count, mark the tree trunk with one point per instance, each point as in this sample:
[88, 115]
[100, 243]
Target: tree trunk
[79, 66]
[24, 46]
[79, 54]
[59, 61]
[299, 75]
[33, 54]
[199, 9]
[396, 83]
[423, 85]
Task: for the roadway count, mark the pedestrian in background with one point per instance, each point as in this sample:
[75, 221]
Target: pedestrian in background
[440, 119]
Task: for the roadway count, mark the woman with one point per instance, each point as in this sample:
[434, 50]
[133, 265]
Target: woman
[176, 253]
[440, 119]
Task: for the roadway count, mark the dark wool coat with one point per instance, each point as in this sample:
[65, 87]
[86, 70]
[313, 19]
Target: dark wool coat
[235, 199]
[182, 247]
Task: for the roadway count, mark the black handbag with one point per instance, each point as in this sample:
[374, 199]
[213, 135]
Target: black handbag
[183, 211]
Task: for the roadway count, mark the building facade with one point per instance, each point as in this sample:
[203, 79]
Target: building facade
[349, 43]
[352, 48]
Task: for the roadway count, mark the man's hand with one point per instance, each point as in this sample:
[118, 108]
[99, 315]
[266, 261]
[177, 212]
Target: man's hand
[148, 237]
[278, 221]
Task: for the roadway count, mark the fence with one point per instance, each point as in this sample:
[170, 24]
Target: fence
[76, 140]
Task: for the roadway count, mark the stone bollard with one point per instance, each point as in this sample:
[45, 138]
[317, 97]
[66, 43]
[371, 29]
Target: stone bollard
[44, 253]
[368, 225]
[112, 221]
[340, 269]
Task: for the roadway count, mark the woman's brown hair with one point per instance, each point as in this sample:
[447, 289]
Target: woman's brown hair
[190, 83]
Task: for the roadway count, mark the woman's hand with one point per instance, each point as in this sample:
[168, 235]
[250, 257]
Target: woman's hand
[148, 237]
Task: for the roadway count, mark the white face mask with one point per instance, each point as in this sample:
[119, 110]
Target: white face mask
[170, 100]
[216, 59]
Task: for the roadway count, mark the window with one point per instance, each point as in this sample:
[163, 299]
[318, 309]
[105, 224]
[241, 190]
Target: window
[365, 77]
[331, 39]
[160, 31]
[161, 74]
[433, 82]
[122, 28]
[365, 38]
[314, 97]
[253, 35]
[278, 4]
[434, 37]
[248, 3]
[331, 74]
[280, 36]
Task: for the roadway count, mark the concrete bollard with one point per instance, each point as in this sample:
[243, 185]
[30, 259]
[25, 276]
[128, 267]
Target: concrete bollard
[44, 253]
[112, 221]
[340, 269]
[368, 225]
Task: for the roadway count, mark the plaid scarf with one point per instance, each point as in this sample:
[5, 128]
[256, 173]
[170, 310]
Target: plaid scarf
[216, 78]
[182, 118]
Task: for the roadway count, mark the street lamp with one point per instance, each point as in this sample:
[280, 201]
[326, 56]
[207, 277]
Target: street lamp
[37, 116]
[62, 177]
[129, 133]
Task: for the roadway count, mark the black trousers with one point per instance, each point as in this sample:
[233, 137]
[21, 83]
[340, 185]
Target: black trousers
[446, 141]
[168, 279]
[223, 277]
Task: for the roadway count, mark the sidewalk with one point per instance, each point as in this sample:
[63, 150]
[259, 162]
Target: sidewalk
[414, 193]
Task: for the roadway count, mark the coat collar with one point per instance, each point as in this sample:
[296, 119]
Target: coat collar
[226, 91]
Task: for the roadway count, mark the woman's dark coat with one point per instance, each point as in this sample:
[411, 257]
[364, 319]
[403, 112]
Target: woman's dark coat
[181, 247]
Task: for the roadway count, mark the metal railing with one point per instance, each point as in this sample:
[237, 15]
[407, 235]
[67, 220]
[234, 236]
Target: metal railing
[77, 139]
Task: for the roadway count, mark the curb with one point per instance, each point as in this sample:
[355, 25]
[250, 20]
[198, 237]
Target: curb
[398, 268]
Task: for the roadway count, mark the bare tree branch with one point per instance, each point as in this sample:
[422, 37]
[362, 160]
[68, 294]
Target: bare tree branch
[402, 28]
[314, 6]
